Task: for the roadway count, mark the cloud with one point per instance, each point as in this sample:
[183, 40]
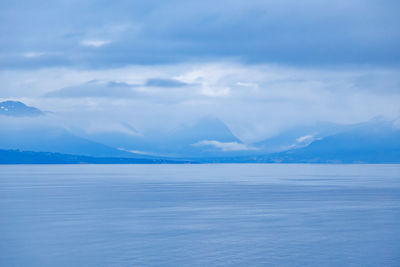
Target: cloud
[305, 139]
[396, 123]
[291, 32]
[260, 66]
[224, 146]
[33, 54]
[212, 91]
[95, 43]
[251, 85]
[162, 82]
[115, 89]
[94, 88]
[285, 96]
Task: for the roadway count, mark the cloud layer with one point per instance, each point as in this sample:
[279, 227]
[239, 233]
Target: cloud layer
[97, 34]
[261, 66]
[256, 101]
[224, 146]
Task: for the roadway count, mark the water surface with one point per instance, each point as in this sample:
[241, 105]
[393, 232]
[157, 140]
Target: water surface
[200, 215]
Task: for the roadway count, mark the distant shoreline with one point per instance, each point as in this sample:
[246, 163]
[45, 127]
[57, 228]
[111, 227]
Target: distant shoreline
[17, 157]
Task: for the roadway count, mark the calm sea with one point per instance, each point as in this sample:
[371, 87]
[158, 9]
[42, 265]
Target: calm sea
[200, 215]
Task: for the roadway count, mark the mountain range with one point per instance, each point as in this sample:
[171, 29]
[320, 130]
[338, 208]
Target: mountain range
[188, 140]
[207, 140]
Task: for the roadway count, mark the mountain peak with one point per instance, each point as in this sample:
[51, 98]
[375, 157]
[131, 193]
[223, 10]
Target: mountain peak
[206, 128]
[19, 109]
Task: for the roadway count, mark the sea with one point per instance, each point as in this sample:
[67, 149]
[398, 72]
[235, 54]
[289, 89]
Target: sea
[200, 215]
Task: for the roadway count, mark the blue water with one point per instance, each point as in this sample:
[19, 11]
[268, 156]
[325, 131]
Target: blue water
[200, 215]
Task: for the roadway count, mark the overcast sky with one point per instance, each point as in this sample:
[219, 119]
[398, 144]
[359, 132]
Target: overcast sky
[260, 66]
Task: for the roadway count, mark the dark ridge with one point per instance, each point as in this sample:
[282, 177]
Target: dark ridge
[30, 157]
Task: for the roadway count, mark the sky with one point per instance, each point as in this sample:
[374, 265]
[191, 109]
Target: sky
[260, 66]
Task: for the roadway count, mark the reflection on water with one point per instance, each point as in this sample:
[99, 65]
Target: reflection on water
[200, 215]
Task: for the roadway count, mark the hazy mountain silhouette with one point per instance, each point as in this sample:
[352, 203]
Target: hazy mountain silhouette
[180, 142]
[30, 157]
[208, 140]
[300, 136]
[377, 141]
[16, 108]
[53, 139]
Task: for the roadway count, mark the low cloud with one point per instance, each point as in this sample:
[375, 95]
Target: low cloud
[256, 101]
[215, 91]
[33, 54]
[305, 139]
[95, 43]
[94, 89]
[224, 146]
[116, 89]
